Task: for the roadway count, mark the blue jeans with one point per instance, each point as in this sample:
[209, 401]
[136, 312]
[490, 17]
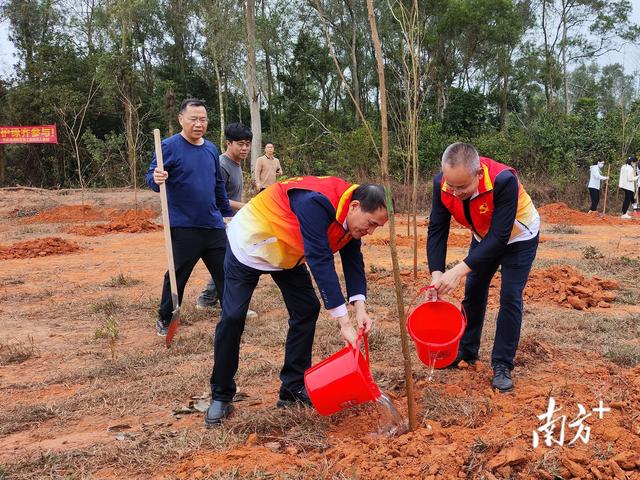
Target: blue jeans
[209, 294]
[303, 308]
[515, 265]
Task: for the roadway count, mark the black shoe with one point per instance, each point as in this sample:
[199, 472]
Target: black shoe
[161, 328]
[216, 412]
[459, 358]
[289, 398]
[502, 378]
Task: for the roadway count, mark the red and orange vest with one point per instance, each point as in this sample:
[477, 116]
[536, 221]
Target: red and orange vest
[272, 231]
[481, 207]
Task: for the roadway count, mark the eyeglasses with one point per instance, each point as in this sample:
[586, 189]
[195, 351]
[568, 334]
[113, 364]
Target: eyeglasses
[201, 120]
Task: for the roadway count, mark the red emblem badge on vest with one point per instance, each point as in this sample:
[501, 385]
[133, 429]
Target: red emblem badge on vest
[484, 208]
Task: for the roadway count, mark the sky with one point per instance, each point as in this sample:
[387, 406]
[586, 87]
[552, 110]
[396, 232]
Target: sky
[629, 55]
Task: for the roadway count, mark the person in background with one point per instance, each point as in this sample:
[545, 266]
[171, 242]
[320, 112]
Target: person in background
[595, 177]
[267, 168]
[486, 197]
[238, 146]
[628, 177]
[299, 221]
[197, 201]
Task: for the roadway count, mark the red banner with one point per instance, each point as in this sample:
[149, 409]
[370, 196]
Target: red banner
[33, 134]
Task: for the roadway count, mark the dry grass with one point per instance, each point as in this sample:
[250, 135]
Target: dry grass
[25, 416]
[623, 269]
[590, 252]
[143, 454]
[4, 282]
[565, 229]
[122, 280]
[17, 351]
[623, 355]
[469, 412]
[109, 332]
[298, 427]
[582, 330]
[108, 307]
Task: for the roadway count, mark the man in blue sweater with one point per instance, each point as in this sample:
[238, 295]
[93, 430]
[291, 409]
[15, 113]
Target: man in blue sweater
[197, 202]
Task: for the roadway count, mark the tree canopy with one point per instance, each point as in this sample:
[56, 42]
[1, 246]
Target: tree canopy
[519, 78]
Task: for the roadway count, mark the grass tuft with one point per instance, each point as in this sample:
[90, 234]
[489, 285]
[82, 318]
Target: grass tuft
[122, 280]
[590, 252]
[624, 355]
[17, 352]
[108, 307]
[469, 412]
[297, 426]
[24, 416]
[565, 229]
[109, 331]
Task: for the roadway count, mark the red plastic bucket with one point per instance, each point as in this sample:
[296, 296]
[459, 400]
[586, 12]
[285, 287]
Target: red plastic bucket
[342, 380]
[436, 328]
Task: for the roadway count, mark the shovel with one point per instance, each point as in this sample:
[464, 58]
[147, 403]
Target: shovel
[175, 315]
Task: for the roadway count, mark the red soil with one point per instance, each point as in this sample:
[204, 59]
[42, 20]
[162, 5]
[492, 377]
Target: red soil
[71, 214]
[435, 449]
[565, 286]
[41, 247]
[129, 221]
[561, 213]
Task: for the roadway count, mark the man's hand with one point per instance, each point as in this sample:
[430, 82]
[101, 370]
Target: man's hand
[449, 280]
[348, 332]
[362, 317]
[160, 176]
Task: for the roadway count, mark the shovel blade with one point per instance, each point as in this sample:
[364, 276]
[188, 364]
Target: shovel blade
[173, 326]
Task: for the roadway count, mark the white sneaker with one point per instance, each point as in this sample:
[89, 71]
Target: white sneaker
[625, 216]
[251, 315]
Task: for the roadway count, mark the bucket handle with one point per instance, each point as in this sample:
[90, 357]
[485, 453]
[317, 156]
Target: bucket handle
[420, 292]
[362, 337]
[429, 287]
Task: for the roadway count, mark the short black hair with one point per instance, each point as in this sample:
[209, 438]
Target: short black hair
[234, 132]
[191, 102]
[268, 142]
[370, 196]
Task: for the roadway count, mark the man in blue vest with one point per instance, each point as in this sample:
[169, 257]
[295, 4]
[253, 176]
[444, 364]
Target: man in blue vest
[487, 198]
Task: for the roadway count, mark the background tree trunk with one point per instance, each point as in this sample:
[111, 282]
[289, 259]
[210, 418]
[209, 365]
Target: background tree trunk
[252, 84]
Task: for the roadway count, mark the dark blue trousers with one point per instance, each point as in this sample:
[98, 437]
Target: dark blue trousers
[303, 308]
[515, 265]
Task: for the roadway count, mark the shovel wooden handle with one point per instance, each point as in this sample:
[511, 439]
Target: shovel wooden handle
[167, 232]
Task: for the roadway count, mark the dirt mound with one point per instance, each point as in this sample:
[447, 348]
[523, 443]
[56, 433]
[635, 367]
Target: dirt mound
[41, 247]
[561, 213]
[71, 214]
[130, 221]
[565, 285]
